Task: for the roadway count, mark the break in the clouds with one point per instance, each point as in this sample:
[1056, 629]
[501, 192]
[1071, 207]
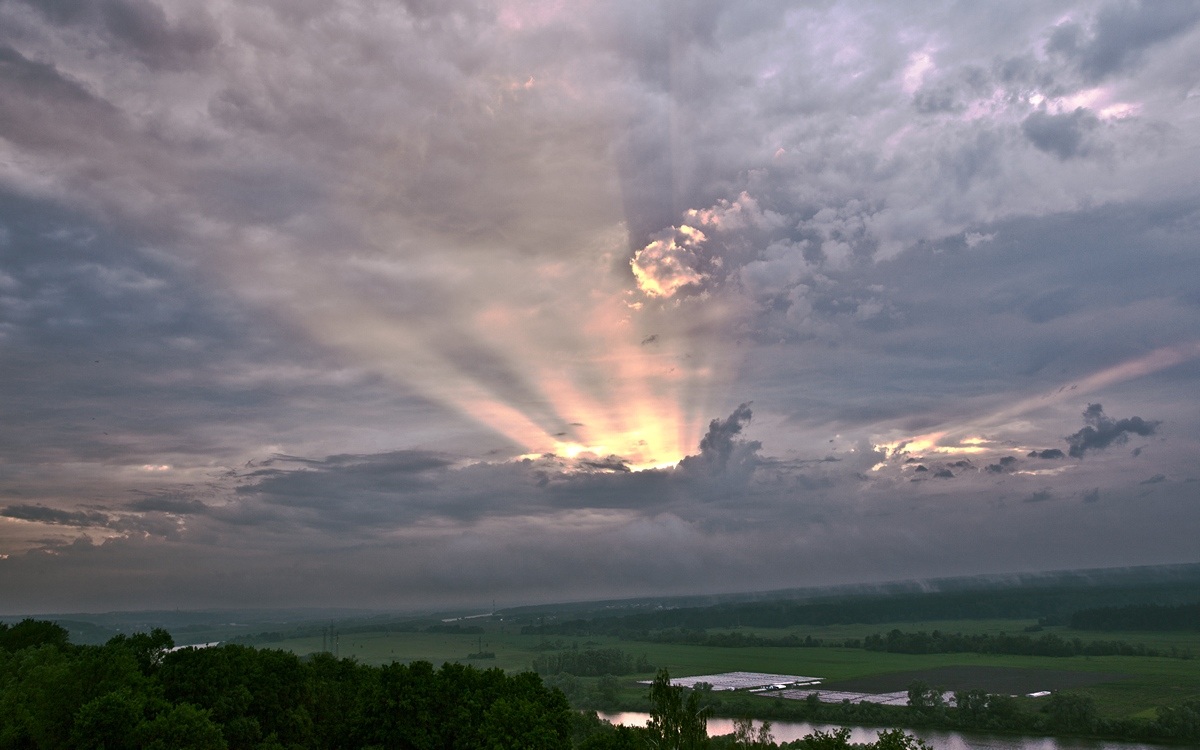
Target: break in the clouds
[420, 303]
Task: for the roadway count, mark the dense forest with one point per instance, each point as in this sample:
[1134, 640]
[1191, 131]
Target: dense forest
[1152, 606]
[898, 642]
[1048, 644]
[136, 692]
[139, 693]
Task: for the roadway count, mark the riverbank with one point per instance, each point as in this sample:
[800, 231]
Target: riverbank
[789, 731]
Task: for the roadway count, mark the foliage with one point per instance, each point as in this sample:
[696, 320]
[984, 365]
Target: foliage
[926, 700]
[676, 722]
[29, 633]
[132, 693]
[937, 642]
[746, 736]
[1053, 602]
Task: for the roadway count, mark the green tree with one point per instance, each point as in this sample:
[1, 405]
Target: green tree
[147, 648]
[1071, 712]
[1181, 722]
[29, 633]
[676, 722]
[746, 736]
[972, 706]
[108, 722]
[898, 739]
[839, 739]
[925, 699]
[183, 727]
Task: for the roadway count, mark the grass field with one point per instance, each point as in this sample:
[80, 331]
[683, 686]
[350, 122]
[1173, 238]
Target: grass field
[1121, 685]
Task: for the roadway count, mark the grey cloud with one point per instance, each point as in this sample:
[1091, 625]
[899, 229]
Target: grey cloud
[1048, 453]
[442, 170]
[1005, 465]
[42, 514]
[612, 463]
[93, 519]
[144, 25]
[720, 453]
[44, 108]
[1155, 479]
[1119, 34]
[141, 26]
[947, 94]
[1060, 134]
[173, 503]
[345, 478]
[1040, 496]
[1102, 431]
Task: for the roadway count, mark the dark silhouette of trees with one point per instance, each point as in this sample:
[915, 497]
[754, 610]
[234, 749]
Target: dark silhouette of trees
[677, 721]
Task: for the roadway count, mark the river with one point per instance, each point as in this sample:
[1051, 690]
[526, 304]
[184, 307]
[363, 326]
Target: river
[786, 731]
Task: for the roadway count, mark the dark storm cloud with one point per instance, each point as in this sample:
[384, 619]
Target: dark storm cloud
[1040, 496]
[43, 514]
[612, 463]
[142, 26]
[341, 480]
[44, 109]
[720, 453]
[216, 225]
[377, 491]
[1062, 135]
[94, 520]
[1102, 431]
[1003, 466]
[173, 503]
[1113, 42]
[105, 341]
[1048, 453]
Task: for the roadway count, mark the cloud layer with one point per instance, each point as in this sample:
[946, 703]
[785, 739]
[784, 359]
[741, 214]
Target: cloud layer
[429, 303]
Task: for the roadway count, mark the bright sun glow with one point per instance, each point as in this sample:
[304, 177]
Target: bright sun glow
[576, 374]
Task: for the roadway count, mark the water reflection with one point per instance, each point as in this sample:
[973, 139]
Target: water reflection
[787, 731]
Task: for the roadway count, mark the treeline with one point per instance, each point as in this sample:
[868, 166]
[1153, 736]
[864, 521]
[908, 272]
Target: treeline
[1050, 605]
[1139, 617]
[736, 639]
[1063, 713]
[899, 642]
[132, 693]
[592, 662]
[937, 642]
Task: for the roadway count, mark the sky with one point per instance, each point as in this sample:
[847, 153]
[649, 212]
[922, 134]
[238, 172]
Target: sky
[421, 304]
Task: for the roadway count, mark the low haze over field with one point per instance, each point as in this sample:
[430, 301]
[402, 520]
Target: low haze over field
[400, 304]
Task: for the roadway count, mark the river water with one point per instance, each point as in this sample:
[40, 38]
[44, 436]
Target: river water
[786, 731]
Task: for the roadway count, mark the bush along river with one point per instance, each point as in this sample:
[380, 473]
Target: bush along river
[788, 731]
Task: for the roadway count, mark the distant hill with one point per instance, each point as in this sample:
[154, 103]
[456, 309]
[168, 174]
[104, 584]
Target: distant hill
[1050, 596]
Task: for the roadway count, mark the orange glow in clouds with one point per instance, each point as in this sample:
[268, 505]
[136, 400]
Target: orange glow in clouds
[574, 372]
[962, 438]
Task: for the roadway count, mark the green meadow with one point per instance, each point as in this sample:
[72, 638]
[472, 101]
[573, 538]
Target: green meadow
[1127, 685]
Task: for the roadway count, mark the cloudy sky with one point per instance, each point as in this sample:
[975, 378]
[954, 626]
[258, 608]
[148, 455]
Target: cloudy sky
[403, 304]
